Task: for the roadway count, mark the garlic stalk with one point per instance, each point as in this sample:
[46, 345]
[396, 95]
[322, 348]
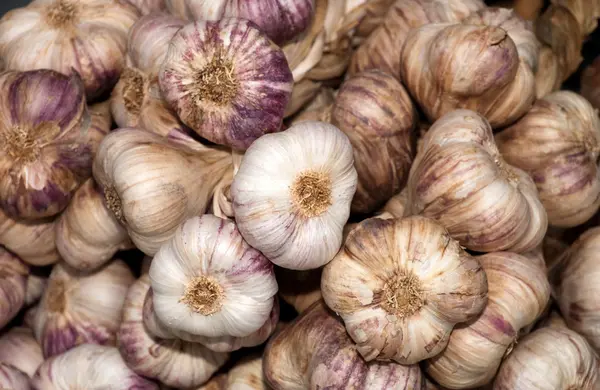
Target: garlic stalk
[91, 367]
[13, 285]
[13, 378]
[292, 194]
[36, 284]
[79, 308]
[19, 348]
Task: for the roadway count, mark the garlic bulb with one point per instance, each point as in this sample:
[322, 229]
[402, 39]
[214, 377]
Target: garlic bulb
[396, 205]
[315, 352]
[226, 80]
[400, 286]
[574, 278]
[19, 348]
[208, 281]
[148, 6]
[36, 284]
[548, 359]
[13, 284]
[518, 292]
[83, 36]
[45, 152]
[561, 138]
[548, 77]
[91, 367]
[374, 110]
[281, 20]
[299, 288]
[590, 83]
[247, 374]
[153, 184]
[79, 308]
[12, 378]
[173, 362]
[292, 194]
[461, 180]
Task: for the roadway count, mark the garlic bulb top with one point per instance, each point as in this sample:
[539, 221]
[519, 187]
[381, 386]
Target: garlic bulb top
[281, 20]
[461, 180]
[91, 367]
[292, 194]
[20, 349]
[79, 308]
[13, 378]
[226, 80]
[558, 143]
[401, 285]
[45, 153]
[13, 284]
[84, 36]
[208, 281]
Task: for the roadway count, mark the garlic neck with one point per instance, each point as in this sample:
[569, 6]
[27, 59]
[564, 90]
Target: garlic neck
[403, 295]
[61, 14]
[203, 295]
[311, 193]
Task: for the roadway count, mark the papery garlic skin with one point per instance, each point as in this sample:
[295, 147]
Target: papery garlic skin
[247, 374]
[548, 77]
[558, 144]
[19, 348]
[45, 153]
[315, 352]
[281, 20]
[148, 6]
[548, 359]
[89, 366]
[400, 286]
[79, 308]
[460, 179]
[13, 285]
[227, 81]
[208, 281]
[13, 378]
[84, 36]
[518, 293]
[173, 362]
[36, 284]
[292, 194]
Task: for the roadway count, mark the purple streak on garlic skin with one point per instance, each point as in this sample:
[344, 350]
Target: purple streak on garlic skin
[148, 6]
[13, 378]
[58, 339]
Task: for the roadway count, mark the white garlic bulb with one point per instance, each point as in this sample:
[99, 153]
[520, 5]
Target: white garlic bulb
[13, 285]
[292, 194]
[79, 307]
[90, 367]
[12, 378]
[19, 348]
[208, 281]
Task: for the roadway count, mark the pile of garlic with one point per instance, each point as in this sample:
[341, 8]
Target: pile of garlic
[298, 194]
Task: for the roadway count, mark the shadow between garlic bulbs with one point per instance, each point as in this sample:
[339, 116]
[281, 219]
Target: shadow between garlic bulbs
[13, 284]
[401, 285]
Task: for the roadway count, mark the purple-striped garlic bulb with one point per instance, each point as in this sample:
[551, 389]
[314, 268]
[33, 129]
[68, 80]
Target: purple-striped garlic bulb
[148, 6]
[90, 367]
[19, 348]
[13, 378]
[280, 20]
[79, 307]
[174, 362]
[227, 81]
[400, 286]
[13, 285]
[84, 36]
[45, 150]
[207, 281]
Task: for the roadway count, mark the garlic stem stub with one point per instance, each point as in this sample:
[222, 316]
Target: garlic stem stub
[292, 194]
[19, 348]
[90, 367]
[45, 152]
[400, 286]
[208, 281]
[13, 378]
[227, 81]
[79, 307]
[13, 285]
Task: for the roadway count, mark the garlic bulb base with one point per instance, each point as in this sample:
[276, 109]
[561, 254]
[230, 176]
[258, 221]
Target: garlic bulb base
[311, 193]
[203, 295]
[403, 294]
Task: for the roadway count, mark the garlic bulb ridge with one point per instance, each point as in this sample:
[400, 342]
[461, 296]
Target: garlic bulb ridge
[13, 284]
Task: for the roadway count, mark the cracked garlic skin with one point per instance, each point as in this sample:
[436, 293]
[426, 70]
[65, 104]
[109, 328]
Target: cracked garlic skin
[227, 81]
[518, 293]
[19, 348]
[374, 110]
[90, 367]
[400, 286]
[574, 278]
[551, 358]
[558, 143]
[292, 194]
[13, 378]
[461, 180]
[79, 307]
[314, 352]
[45, 150]
[175, 362]
[84, 36]
[487, 60]
[13, 284]
[207, 281]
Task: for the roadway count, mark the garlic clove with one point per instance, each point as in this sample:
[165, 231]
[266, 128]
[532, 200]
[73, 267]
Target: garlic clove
[13, 285]
[19, 348]
[400, 286]
[299, 288]
[84, 36]
[208, 281]
[292, 194]
[148, 6]
[36, 284]
[79, 308]
[45, 151]
[173, 362]
[103, 366]
[13, 378]
[227, 81]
